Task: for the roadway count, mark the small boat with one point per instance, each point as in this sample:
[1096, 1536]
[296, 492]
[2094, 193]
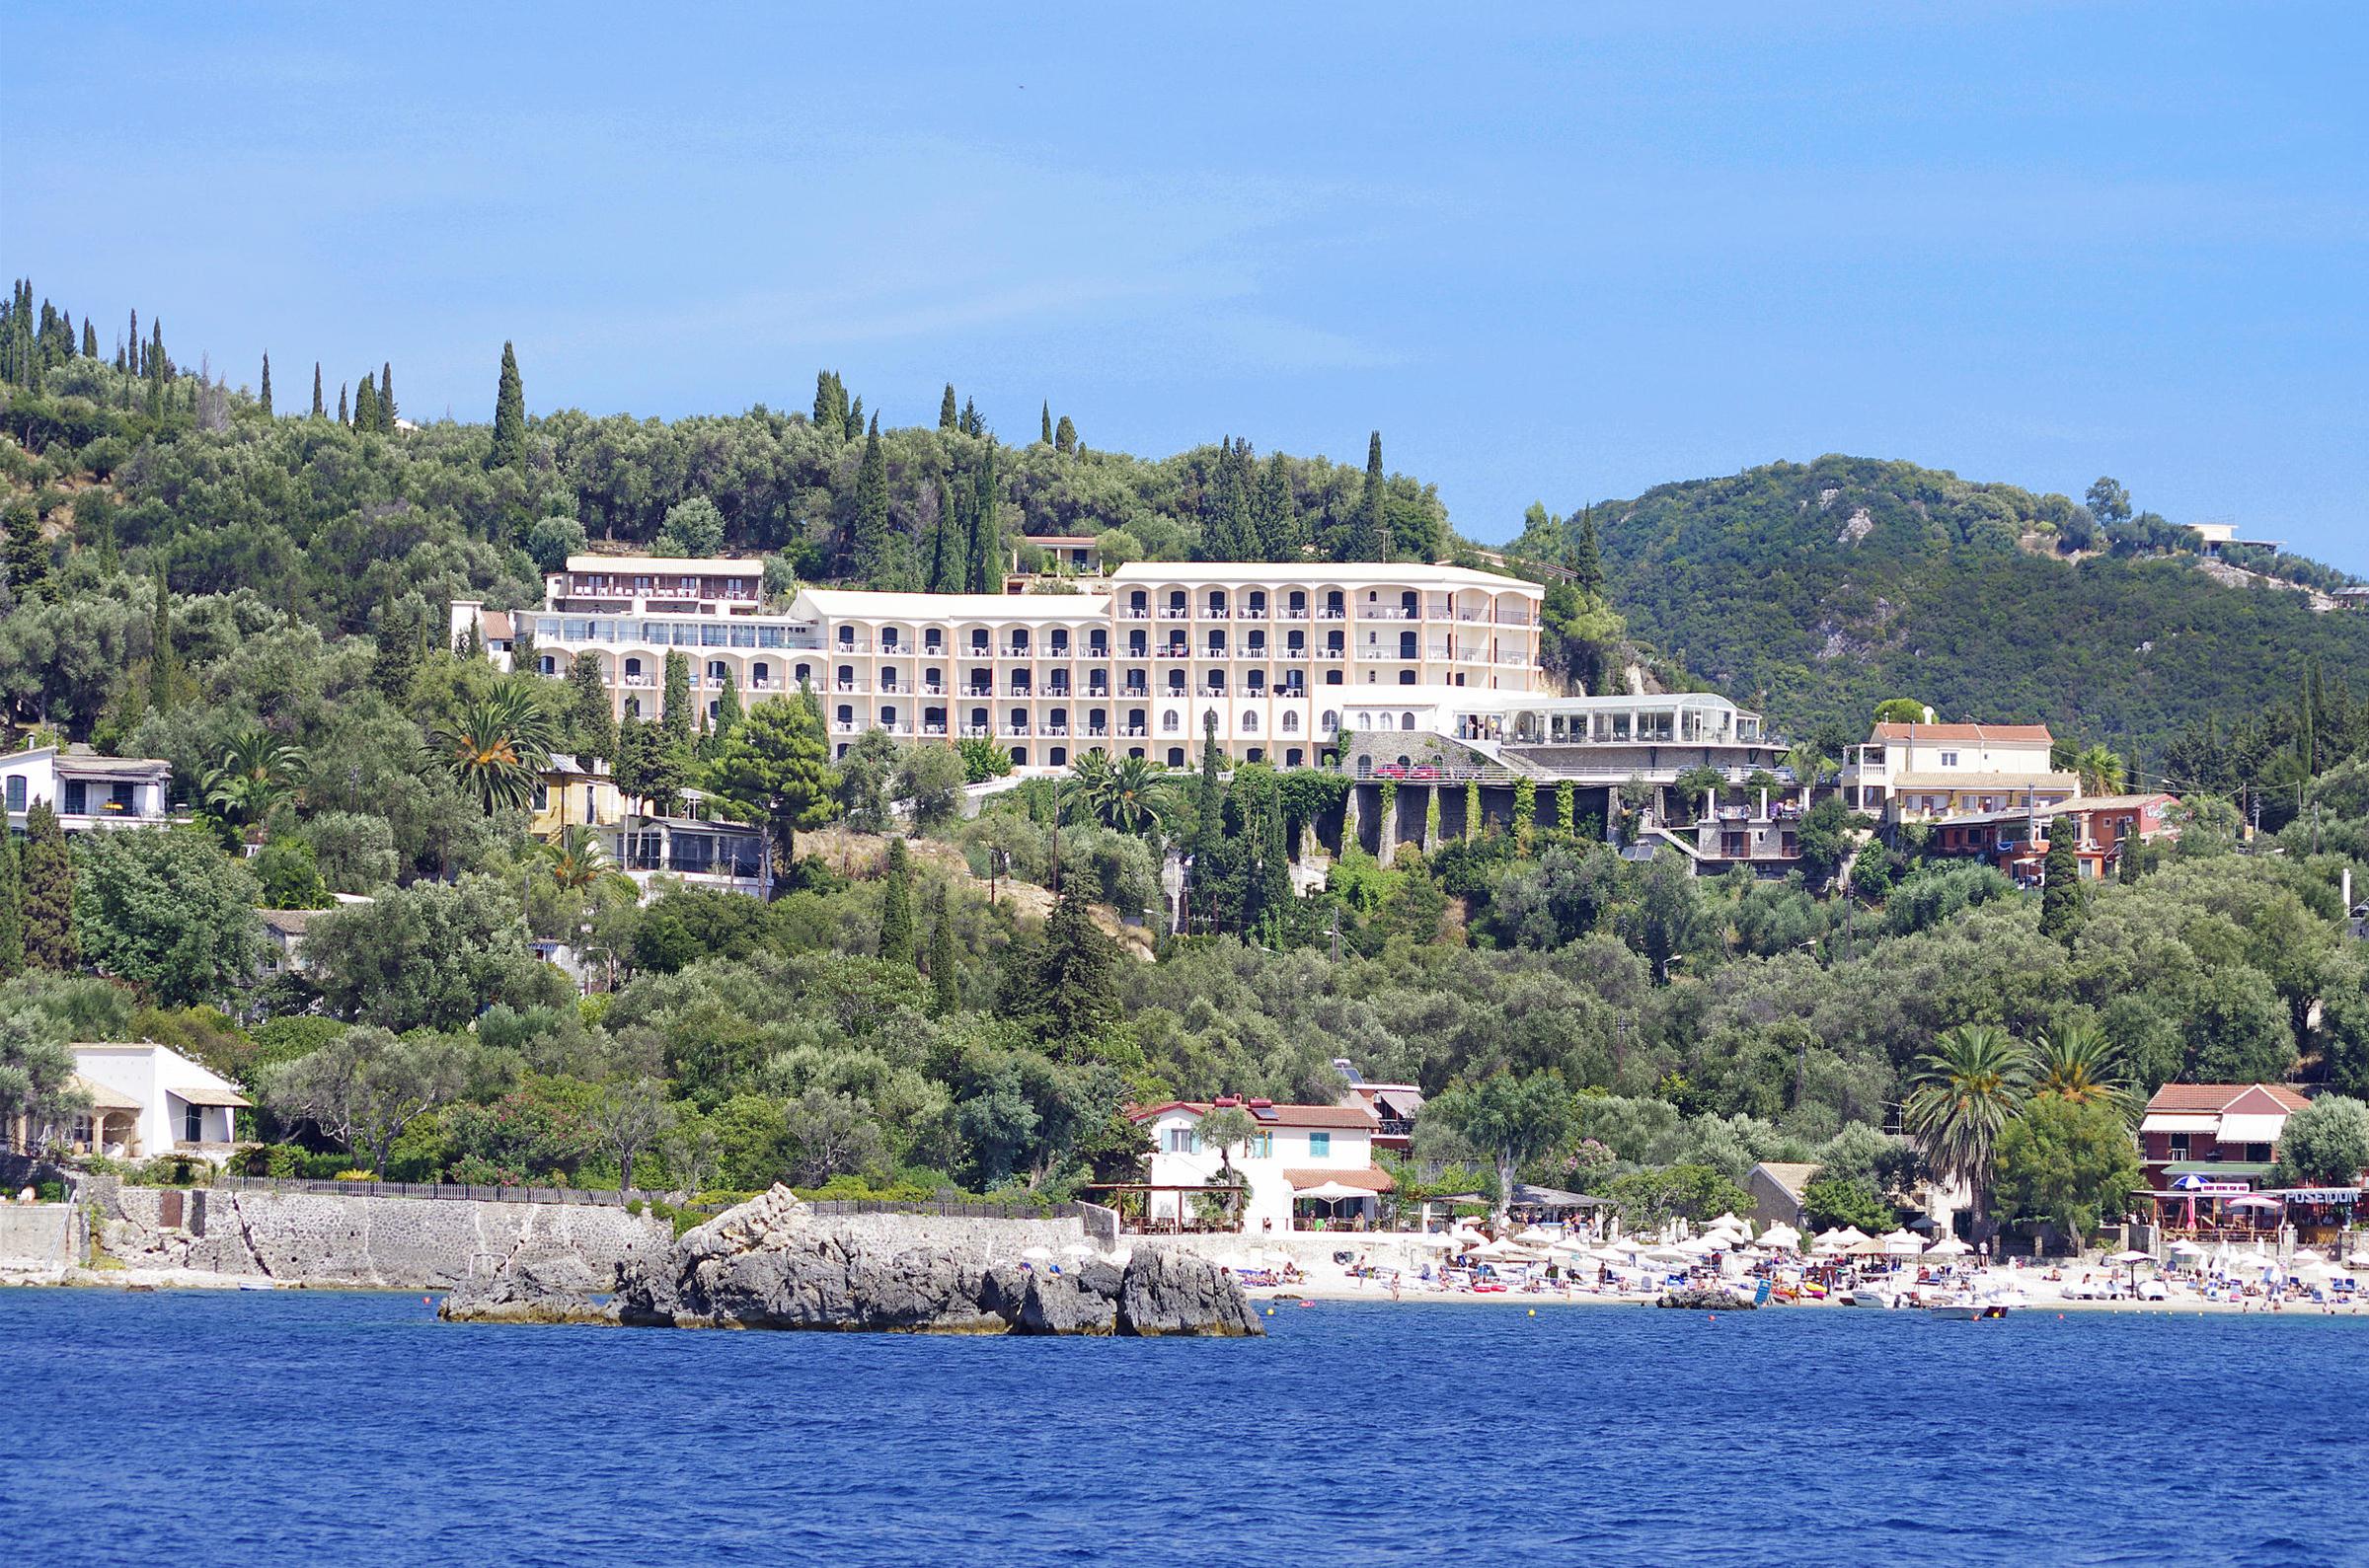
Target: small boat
[259, 1285]
[1965, 1309]
[1873, 1296]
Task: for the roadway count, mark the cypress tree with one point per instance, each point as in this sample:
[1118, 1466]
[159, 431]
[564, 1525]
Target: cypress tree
[827, 406]
[872, 551]
[319, 412]
[946, 996]
[160, 364]
[1274, 519]
[343, 417]
[1588, 565]
[163, 663]
[28, 552]
[386, 398]
[2060, 885]
[948, 415]
[986, 536]
[12, 908]
[1372, 542]
[89, 339]
[1044, 423]
[394, 665]
[365, 405]
[676, 721]
[509, 413]
[728, 710]
[897, 907]
[139, 358]
[1065, 437]
[48, 897]
[264, 399]
[592, 727]
[971, 423]
[945, 570]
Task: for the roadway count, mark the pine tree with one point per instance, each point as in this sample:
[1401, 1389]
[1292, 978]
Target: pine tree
[872, 551]
[945, 991]
[509, 413]
[164, 661]
[1065, 437]
[675, 722]
[949, 417]
[897, 907]
[12, 907]
[319, 412]
[1588, 565]
[1372, 542]
[1044, 423]
[386, 398]
[591, 726]
[46, 878]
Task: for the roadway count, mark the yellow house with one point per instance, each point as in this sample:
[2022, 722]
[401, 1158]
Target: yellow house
[569, 794]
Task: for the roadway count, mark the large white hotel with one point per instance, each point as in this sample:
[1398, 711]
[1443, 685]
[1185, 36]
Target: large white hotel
[1128, 663]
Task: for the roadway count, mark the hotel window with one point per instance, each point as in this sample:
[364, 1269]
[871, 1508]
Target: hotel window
[1179, 1141]
[1949, 758]
[1319, 1146]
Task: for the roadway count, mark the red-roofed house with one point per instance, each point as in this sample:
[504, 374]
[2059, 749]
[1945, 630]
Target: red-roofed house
[2214, 1136]
[1915, 772]
[1308, 1167]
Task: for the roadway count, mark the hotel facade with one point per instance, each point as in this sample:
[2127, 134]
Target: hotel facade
[1130, 664]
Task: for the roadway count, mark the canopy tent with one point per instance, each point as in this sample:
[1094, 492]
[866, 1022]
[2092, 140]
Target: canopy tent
[1330, 1189]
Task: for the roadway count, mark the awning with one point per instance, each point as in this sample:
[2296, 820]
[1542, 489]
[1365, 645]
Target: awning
[2252, 1128]
[211, 1096]
[101, 1097]
[2179, 1122]
[2226, 1170]
[1310, 1183]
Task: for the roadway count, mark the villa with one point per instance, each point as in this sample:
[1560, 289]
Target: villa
[1131, 663]
[1929, 772]
[86, 791]
[1307, 1167]
[150, 1100]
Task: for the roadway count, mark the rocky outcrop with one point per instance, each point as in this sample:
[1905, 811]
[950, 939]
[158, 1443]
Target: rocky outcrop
[1706, 1298]
[528, 1293]
[771, 1263]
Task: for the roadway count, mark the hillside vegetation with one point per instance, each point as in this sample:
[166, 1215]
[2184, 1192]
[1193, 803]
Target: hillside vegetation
[1816, 590]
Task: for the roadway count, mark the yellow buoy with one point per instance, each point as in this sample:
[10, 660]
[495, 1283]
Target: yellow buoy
[1533, 1311]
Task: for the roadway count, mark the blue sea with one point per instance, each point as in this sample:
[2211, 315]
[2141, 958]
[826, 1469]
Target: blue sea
[201, 1428]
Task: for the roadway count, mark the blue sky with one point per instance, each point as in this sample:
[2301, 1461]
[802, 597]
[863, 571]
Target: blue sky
[1558, 253]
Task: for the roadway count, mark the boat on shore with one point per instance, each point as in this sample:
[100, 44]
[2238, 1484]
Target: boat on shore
[1873, 1296]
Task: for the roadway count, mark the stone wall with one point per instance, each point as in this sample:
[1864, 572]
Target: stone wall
[326, 1238]
[973, 1242]
[37, 1237]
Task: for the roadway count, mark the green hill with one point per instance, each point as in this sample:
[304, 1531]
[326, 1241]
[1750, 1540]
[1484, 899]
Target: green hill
[1816, 590]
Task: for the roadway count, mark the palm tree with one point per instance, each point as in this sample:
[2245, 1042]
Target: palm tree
[2079, 1064]
[496, 745]
[257, 774]
[577, 859]
[1962, 1093]
[2101, 771]
[1128, 794]
[1809, 767]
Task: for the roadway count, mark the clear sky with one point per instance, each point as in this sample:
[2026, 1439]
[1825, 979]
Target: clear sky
[1558, 253]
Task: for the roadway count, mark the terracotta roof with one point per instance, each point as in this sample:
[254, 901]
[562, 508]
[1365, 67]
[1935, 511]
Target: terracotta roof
[1373, 1178]
[2215, 1098]
[1355, 1118]
[2109, 803]
[1793, 1177]
[101, 1097]
[1973, 732]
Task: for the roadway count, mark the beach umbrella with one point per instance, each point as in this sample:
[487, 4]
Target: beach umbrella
[1902, 1245]
[1781, 1238]
[1435, 1240]
[1948, 1246]
[1037, 1254]
[1536, 1235]
[2308, 1255]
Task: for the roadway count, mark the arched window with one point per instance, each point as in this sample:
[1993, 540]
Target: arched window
[1169, 724]
[1176, 756]
[847, 715]
[1291, 724]
[1405, 720]
[718, 672]
[760, 675]
[1331, 722]
[633, 668]
[1249, 724]
[632, 708]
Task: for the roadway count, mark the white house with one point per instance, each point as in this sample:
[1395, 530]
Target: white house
[1924, 771]
[1308, 1167]
[86, 789]
[149, 1099]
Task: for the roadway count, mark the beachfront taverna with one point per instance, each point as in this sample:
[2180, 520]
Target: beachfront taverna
[1306, 1167]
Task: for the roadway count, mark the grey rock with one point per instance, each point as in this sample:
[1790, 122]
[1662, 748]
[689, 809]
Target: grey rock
[1173, 1293]
[1706, 1298]
[1065, 1304]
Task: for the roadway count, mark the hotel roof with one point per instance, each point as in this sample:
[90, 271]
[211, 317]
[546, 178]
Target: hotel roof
[671, 565]
[1353, 1118]
[2025, 733]
[831, 603]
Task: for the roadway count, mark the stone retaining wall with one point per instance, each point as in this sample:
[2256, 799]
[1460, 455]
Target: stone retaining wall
[37, 1237]
[332, 1239]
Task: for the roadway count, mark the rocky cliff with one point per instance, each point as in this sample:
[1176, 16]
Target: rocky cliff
[772, 1264]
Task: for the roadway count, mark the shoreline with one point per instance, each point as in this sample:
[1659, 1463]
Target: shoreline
[1336, 1292]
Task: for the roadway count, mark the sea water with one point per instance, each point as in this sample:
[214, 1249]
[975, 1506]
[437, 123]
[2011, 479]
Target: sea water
[305, 1426]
